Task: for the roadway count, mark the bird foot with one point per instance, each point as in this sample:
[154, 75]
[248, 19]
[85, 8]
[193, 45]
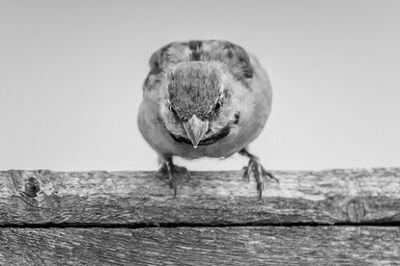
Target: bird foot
[172, 173]
[257, 170]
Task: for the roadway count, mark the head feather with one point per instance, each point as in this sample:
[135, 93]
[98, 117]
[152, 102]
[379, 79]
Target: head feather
[194, 88]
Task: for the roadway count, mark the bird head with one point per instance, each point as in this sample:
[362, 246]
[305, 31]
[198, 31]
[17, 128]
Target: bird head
[199, 106]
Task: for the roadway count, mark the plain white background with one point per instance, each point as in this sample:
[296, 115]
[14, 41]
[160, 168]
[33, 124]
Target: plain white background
[71, 75]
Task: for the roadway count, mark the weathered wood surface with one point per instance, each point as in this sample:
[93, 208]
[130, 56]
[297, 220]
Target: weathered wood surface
[208, 198]
[269, 245]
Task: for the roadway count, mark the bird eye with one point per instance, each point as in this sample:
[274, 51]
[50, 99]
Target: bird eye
[217, 106]
[172, 109]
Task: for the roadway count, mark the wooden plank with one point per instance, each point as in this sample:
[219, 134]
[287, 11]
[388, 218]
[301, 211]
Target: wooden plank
[208, 198]
[307, 245]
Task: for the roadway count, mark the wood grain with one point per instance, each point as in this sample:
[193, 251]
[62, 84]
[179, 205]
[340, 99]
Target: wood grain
[269, 245]
[208, 198]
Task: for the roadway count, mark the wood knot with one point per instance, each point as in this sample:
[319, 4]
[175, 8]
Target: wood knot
[355, 210]
[32, 187]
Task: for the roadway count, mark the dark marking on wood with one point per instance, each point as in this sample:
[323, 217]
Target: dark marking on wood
[355, 210]
[32, 187]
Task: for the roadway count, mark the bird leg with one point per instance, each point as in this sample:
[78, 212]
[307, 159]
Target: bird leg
[172, 172]
[254, 167]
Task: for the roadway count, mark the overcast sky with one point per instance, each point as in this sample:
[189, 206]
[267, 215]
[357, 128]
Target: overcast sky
[71, 75]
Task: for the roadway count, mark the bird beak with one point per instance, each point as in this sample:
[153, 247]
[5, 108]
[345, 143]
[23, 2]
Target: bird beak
[195, 129]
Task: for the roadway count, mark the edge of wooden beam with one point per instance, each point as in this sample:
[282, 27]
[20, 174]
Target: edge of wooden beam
[348, 196]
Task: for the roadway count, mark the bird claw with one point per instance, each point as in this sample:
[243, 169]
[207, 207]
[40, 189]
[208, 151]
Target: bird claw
[257, 170]
[172, 172]
[269, 175]
[172, 185]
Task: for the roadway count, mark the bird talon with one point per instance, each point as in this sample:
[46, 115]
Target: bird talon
[172, 185]
[260, 188]
[182, 171]
[269, 175]
[255, 168]
[247, 170]
[172, 172]
[162, 172]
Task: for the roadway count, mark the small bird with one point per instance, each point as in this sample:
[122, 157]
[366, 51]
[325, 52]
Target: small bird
[204, 99]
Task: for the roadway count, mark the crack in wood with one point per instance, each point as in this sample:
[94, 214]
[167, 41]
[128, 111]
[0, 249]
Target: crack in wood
[198, 225]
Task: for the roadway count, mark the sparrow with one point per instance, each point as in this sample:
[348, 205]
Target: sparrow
[204, 98]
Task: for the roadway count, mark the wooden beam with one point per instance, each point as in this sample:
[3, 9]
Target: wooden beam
[208, 198]
[269, 245]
